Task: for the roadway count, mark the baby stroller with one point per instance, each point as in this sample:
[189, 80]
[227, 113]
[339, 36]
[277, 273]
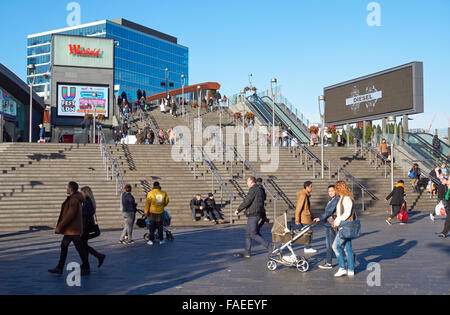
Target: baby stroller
[144, 222]
[288, 237]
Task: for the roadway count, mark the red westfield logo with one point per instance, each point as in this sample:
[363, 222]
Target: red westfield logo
[87, 52]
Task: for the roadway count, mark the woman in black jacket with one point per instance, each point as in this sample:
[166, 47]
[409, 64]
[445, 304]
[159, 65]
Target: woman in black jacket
[88, 213]
[398, 199]
[415, 171]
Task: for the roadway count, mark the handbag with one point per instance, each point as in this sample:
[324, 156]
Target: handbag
[93, 230]
[350, 230]
[411, 174]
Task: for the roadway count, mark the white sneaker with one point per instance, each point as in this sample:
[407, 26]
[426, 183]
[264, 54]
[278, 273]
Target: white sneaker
[350, 273]
[162, 242]
[150, 243]
[310, 251]
[431, 217]
[340, 273]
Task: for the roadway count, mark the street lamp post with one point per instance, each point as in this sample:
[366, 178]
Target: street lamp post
[273, 81]
[31, 79]
[183, 82]
[322, 133]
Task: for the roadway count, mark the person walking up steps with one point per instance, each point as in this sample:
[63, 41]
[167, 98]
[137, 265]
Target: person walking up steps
[253, 205]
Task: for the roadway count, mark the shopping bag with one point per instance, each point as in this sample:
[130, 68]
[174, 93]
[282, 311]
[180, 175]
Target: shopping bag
[403, 216]
[440, 209]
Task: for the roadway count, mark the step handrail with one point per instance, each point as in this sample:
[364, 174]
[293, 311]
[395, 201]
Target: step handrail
[116, 172]
[374, 151]
[432, 179]
[363, 188]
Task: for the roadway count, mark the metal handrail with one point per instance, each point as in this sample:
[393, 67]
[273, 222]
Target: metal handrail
[432, 179]
[374, 151]
[108, 160]
[353, 179]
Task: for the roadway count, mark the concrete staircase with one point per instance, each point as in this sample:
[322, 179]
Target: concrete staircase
[34, 178]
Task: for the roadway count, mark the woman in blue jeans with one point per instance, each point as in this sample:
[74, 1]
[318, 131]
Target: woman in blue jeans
[344, 212]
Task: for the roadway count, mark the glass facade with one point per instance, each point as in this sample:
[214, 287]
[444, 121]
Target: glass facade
[140, 59]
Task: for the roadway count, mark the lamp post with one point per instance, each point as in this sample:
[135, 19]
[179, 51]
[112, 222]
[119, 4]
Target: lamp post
[273, 81]
[31, 79]
[322, 132]
[199, 103]
[183, 82]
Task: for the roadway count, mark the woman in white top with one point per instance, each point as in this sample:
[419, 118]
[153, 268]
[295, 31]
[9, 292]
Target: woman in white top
[344, 212]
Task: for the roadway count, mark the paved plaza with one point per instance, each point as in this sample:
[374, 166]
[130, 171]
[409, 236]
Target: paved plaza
[411, 258]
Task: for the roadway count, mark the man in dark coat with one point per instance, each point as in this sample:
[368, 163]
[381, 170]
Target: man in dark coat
[253, 205]
[212, 210]
[397, 201]
[70, 224]
[197, 205]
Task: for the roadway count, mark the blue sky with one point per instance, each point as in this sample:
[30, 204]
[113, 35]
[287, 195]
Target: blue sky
[307, 45]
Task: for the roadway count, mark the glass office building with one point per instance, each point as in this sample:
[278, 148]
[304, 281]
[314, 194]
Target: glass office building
[142, 56]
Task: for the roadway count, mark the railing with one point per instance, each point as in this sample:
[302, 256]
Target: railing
[411, 164]
[306, 157]
[110, 162]
[376, 155]
[354, 181]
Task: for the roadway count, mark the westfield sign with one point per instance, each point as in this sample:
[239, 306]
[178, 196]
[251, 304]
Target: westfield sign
[84, 52]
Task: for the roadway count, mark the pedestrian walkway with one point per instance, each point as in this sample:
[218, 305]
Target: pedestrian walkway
[201, 262]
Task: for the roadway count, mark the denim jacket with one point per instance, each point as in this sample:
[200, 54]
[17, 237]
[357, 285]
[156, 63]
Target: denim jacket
[329, 210]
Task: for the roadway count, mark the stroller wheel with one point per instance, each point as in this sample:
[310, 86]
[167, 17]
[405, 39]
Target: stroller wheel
[147, 237]
[303, 265]
[271, 265]
[169, 237]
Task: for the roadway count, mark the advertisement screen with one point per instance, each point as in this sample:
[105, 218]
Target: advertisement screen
[7, 104]
[391, 92]
[79, 100]
[76, 51]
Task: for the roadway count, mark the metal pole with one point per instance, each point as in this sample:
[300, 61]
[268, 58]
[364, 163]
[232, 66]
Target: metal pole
[392, 165]
[31, 112]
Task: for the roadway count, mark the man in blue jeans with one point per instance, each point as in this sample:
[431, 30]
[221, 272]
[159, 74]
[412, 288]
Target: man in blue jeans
[330, 233]
[253, 205]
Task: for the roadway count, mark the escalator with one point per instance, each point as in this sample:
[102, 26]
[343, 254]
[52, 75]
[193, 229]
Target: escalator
[264, 107]
[428, 139]
[417, 149]
[420, 144]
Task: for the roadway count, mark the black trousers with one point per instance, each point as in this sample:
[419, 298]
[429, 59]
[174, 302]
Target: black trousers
[77, 241]
[395, 211]
[153, 226]
[262, 221]
[89, 249]
[447, 222]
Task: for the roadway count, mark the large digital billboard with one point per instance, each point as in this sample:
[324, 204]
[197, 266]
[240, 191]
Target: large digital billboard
[79, 100]
[392, 92]
[78, 51]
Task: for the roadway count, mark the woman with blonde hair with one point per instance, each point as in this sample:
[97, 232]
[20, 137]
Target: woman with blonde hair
[344, 212]
[88, 211]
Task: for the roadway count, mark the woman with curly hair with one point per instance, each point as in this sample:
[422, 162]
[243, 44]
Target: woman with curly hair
[344, 212]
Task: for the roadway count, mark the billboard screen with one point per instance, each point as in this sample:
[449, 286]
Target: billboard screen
[78, 51]
[79, 100]
[391, 92]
